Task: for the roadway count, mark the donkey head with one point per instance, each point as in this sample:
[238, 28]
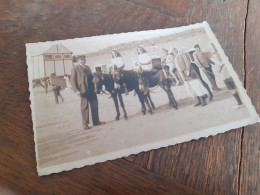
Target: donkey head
[98, 81]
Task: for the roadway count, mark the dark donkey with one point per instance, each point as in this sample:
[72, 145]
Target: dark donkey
[131, 80]
[153, 78]
[100, 79]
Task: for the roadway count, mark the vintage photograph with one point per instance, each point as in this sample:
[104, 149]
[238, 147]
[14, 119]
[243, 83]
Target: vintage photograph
[100, 98]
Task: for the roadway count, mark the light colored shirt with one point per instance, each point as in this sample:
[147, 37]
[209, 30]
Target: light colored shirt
[145, 61]
[119, 62]
[201, 59]
[169, 60]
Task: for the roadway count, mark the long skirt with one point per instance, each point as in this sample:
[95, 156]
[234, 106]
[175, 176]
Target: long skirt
[195, 88]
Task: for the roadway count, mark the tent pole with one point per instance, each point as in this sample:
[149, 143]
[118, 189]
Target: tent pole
[54, 65]
[38, 67]
[33, 66]
[63, 64]
[44, 65]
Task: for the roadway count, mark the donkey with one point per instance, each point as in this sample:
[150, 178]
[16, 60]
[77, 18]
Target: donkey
[153, 78]
[130, 79]
[100, 79]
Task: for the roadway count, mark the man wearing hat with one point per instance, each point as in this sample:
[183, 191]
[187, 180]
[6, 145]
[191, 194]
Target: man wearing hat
[81, 83]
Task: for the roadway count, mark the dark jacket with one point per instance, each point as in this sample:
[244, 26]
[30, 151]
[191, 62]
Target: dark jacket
[81, 79]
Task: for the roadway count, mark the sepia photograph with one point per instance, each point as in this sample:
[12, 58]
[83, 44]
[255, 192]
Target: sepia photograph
[100, 98]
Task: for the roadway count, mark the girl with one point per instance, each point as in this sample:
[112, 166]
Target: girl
[117, 64]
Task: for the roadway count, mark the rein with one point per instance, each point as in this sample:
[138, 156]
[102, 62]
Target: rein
[152, 90]
[104, 92]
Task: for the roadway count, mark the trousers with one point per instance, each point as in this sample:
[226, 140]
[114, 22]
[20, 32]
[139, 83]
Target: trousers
[202, 81]
[86, 102]
[210, 75]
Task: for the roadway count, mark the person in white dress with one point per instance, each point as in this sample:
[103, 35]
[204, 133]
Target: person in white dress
[117, 64]
[144, 60]
[190, 77]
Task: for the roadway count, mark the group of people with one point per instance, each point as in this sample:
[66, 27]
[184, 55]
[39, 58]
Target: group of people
[179, 66]
[183, 67]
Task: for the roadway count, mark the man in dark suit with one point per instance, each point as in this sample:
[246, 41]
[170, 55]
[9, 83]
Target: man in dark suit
[81, 83]
[204, 62]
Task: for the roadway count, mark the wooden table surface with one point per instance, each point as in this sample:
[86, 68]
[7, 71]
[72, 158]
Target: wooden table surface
[227, 163]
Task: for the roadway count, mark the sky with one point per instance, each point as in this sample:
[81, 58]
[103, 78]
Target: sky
[96, 43]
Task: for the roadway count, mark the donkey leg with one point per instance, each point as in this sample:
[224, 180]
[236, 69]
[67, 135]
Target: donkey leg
[150, 99]
[167, 91]
[150, 110]
[114, 96]
[174, 102]
[141, 98]
[122, 105]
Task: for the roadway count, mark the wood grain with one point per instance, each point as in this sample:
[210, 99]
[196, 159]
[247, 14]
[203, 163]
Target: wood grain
[209, 165]
[250, 164]
[173, 8]
[117, 177]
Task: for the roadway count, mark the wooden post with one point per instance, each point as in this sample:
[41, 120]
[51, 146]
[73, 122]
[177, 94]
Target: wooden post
[33, 65]
[54, 63]
[38, 67]
[44, 65]
[216, 51]
[63, 64]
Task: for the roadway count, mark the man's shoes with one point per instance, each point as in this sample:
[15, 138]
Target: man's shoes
[238, 106]
[203, 98]
[204, 103]
[210, 97]
[99, 123]
[198, 103]
[86, 127]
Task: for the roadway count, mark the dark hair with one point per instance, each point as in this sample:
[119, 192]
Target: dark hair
[196, 46]
[74, 59]
[117, 53]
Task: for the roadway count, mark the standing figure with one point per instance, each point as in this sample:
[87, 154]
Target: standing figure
[117, 64]
[168, 61]
[81, 83]
[190, 77]
[45, 81]
[230, 84]
[204, 62]
[56, 90]
[197, 69]
[57, 94]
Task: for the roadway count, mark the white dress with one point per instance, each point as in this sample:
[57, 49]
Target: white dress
[118, 61]
[145, 61]
[193, 87]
